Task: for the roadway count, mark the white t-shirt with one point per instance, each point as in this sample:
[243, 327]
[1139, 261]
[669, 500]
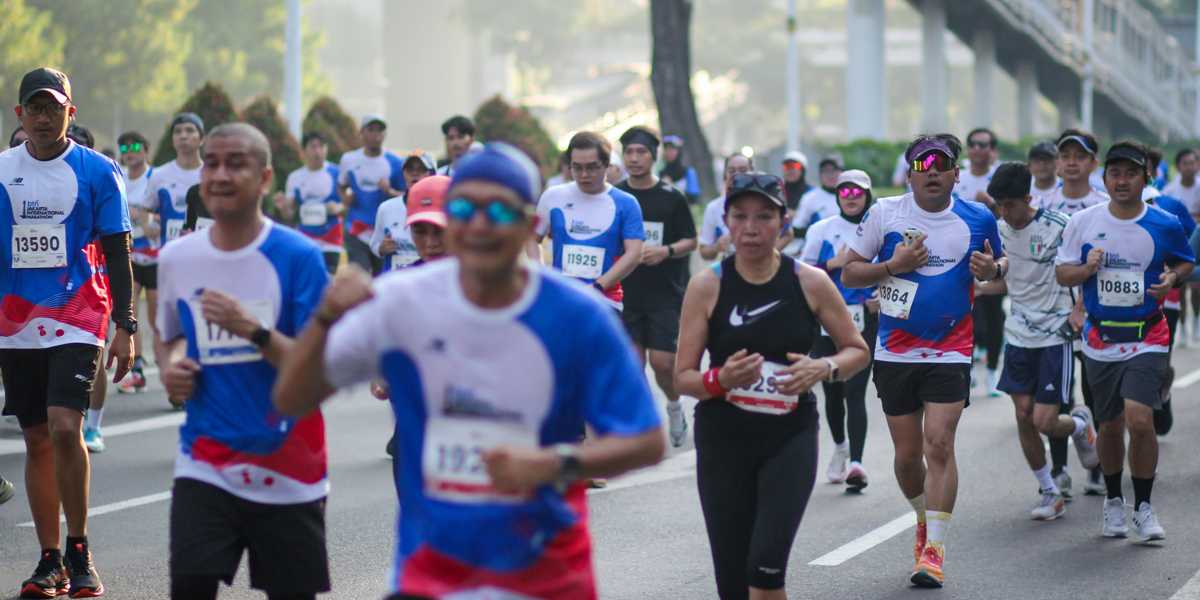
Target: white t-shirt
[969, 185]
[815, 204]
[1040, 305]
[1189, 196]
[392, 221]
[1039, 195]
[1059, 202]
[713, 226]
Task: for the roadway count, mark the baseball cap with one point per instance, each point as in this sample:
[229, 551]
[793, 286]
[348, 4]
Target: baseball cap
[426, 201]
[927, 145]
[796, 156]
[45, 79]
[368, 119]
[424, 157]
[189, 117]
[1126, 152]
[755, 182]
[857, 177]
[1082, 141]
[832, 159]
[1043, 150]
[502, 164]
[673, 140]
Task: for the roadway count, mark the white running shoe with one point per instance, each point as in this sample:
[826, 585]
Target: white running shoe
[1085, 440]
[1145, 524]
[838, 465]
[1114, 519]
[856, 477]
[993, 383]
[1050, 507]
[678, 424]
[1094, 486]
[1063, 482]
[93, 440]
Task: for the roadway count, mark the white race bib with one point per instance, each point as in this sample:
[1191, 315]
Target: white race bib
[584, 262]
[39, 246]
[1121, 288]
[174, 229]
[203, 223]
[313, 214]
[218, 346]
[452, 458]
[763, 396]
[856, 315]
[402, 259]
[654, 233]
[896, 297]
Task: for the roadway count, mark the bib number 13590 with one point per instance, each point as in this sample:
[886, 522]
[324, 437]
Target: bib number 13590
[39, 246]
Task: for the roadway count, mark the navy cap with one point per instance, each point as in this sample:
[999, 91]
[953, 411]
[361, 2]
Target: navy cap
[45, 79]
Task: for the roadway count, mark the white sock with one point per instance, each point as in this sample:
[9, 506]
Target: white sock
[938, 522]
[94, 417]
[918, 505]
[1045, 480]
[1080, 425]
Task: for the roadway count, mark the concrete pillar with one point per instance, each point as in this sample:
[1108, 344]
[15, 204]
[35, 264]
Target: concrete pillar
[984, 47]
[1026, 97]
[1068, 109]
[934, 76]
[866, 91]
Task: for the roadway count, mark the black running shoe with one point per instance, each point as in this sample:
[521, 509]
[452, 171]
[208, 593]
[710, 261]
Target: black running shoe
[49, 579]
[85, 581]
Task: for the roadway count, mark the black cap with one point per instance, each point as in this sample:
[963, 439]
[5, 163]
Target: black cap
[1043, 150]
[45, 79]
[756, 182]
[1126, 152]
[832, 159]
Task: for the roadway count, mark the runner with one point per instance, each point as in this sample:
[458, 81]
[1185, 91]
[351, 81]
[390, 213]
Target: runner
[846, 403]
[1037, 359]
[822, 202]
[756, 313]
[1184, 187]
[166, 191]
[392, 240]
[134, 154]
[246, 477]
[1043, 165]
[312, 191]
[459, 134]
[930, 247]
[71, 197]
[17, 137]
[988, 311]
[677, 172]
[1127, 256]
[366, 177]
[714, 233]
[509, 520]
[654, 290]
[596, 230]
[981, 159]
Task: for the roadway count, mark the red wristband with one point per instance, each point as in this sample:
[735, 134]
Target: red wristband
[712, 383]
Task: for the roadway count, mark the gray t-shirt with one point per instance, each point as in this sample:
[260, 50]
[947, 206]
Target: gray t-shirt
[1040, 306]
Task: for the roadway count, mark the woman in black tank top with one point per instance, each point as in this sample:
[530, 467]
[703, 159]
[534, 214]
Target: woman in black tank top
[757, 313]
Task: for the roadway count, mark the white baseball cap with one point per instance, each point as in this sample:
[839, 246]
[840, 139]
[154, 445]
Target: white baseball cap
[857, 177]
[796, 156]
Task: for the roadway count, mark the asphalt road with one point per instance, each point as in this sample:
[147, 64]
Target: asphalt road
[647, 528]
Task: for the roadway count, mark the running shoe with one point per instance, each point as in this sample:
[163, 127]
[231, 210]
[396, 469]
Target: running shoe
[856, 478]
[1085, 440]
[928, 573]
[49, 579]
[837, 465]
[678, 424]
[85, 581]
[1050, 507]
[993, 383]
[93, 440]
[597, 483]
[1145, 525]
[133, 383]
[919, 545]
[1063, 482]
[1095, 483]
[7, 490]
[1114, 519]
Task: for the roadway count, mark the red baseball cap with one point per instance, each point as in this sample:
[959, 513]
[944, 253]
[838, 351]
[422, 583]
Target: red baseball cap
[426, 200]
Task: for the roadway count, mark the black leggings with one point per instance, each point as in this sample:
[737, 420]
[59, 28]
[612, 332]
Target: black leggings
[204, 587]
[754, 485]
[989, 327]
[846, 402]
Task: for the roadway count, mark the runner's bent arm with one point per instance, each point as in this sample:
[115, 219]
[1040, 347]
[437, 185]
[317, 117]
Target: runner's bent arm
[830, 310]
[860, 273]
[624, 265]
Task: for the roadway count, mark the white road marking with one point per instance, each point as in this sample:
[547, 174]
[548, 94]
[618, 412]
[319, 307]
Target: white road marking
[149, 424]
[676, 467]
[1190, 590]
[1186, 380]
[104, 509]
[867, 541]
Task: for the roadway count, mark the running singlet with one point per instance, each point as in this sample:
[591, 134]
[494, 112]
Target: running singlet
[588, 231]
[166, 194]
[825, 240]
[1040, 306]
[1058, 202]
[817, 204]
[363, 173]
[925, 315]
[1136, 251]
[144, 250]
[392, 222]
[233, 438]
[53, 289]
[450, 367]
[313, 192]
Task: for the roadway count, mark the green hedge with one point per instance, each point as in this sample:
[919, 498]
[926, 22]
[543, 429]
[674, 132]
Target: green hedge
[339, 129]
[497, 120]
[214, 107]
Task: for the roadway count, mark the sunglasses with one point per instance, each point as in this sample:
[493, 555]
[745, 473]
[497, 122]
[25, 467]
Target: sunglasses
[745, 181]
[935, 161]
[133, 147]
[793, 166]
[851, 191]
[498, 212]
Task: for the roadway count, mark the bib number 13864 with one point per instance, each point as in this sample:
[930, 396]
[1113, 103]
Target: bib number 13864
[896, 297]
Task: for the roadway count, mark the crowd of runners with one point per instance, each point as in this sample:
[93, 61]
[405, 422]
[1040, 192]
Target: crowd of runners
[510, 324]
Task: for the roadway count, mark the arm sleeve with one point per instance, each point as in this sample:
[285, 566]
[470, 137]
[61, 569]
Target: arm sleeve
[120, 275]
[616, 397]
[869, 237]
[352, 350]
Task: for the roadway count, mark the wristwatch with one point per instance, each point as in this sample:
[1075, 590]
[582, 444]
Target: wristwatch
[569, 466]
[130, 325]
[833, 370]
[670, 251]
[261, 337]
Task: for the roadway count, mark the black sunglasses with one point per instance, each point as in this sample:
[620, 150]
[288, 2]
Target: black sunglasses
[745, 181]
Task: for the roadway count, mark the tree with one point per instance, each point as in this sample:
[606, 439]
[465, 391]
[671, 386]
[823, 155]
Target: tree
[285, 150]
[497, 120]
[328, 118]
[28, 41]
[670, 76]
[214, 107]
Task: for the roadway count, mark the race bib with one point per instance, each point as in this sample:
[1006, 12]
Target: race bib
[203, 223]
[175, 228]
[763, 396]
[856, 315]
[896, 297]
[218, 346]
[39, 246]
[313, 214]
[654, 233]
[402, 259]
[452, 458]
[584, 262]
[1121, 288]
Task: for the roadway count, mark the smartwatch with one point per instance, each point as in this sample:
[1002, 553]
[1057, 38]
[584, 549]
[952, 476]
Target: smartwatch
[569, 467]
[130, 326]
[261, 337]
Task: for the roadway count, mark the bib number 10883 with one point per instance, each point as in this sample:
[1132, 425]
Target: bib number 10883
[1120, 288]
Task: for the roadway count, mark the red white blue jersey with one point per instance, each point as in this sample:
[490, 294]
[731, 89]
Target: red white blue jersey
[363, 174]
[144, 250]
[1136, 251]
[588, 231]
[166, 194]
[233, 437]
[313, 192]
[53, 287]
[825, 239]
[925, 315]
[450, 366]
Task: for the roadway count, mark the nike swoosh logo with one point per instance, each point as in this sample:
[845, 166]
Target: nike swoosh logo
[737, 319]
